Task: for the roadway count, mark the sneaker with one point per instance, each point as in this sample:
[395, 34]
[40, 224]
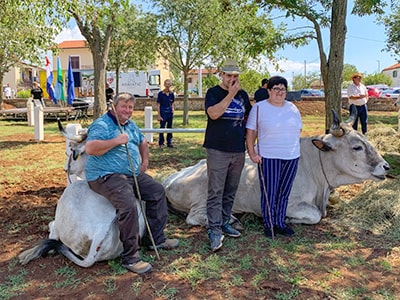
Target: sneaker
[171, 146]
[286, 231]
[161, 147]
[168, 244]
[215, 240]
[139, 267]
[230, 231]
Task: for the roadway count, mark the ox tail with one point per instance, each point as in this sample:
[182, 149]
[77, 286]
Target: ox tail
[40, 250]
[43, 248]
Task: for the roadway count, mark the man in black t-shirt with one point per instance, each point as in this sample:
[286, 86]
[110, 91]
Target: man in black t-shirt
[227, 107]
[37, 92]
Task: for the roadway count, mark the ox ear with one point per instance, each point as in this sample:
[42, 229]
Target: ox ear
[321, 145]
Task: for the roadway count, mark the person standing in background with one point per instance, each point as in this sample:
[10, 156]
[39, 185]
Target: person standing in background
[37, 93]
[262, 93]
[276, 124]
[8, 92]
[109, 94]
[165, 109]
[358, 97]
[227, 107]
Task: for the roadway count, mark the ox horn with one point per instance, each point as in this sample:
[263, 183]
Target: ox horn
[335, 129]
[352, 117]
[76, 138]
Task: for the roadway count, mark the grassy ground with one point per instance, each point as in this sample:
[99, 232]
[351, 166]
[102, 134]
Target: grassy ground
[352, 254]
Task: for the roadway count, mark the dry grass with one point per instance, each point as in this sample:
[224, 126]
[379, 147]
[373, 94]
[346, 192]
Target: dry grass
[376, 207]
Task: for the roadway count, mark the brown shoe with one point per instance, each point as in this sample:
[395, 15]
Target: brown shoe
[139, 267]
[168, 244]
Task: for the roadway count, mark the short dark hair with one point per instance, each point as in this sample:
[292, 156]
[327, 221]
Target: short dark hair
[276, 80]
[264, 81]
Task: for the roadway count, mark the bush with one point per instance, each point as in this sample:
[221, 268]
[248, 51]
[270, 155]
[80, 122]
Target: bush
[24, 94]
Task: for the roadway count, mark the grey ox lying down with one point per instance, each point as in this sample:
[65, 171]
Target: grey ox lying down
[344, 156]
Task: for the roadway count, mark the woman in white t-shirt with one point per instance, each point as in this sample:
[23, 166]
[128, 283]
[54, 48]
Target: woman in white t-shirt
[276, 124]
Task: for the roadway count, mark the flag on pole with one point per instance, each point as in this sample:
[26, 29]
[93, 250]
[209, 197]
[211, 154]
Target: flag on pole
[49, 81]
[59, 92]
[70, 84]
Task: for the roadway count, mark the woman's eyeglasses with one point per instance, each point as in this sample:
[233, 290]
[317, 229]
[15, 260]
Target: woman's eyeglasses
[279, 90]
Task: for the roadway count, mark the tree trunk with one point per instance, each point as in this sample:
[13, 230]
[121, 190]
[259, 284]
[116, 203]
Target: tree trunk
[333, 69]
[185, 97]
[99, 106]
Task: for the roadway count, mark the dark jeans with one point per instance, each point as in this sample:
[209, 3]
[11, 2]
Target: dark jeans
[224, 170]
[167, 120]
[362, 114]
[120, 190]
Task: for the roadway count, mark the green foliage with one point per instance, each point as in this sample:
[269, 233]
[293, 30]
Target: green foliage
[377, 78]
[96, 20]
[24, 34]
[392, 25]
[300, 82]
[209, 81]
[133, 42]
[250, 80]
[192, 32]
[177, 85]
[348, 71]
[24, 94]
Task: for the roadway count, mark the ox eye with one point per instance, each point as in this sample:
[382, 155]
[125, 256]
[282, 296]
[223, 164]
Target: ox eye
[357, 148]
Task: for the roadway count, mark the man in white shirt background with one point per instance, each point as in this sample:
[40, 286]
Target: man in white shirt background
[358, 97]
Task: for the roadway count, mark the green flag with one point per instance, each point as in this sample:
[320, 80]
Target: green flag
[59, 89]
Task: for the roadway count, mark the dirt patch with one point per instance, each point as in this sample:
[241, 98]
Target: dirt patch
[8, 106]
[316, 108]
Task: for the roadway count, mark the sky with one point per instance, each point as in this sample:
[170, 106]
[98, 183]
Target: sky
[363, 48]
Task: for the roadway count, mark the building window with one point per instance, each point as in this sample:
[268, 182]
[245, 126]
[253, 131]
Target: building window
[394, 74]
[75, 62]
[190, 80]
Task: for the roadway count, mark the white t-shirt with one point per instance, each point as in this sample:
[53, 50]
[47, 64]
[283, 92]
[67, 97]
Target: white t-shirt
[354, 90]
[279, 129]
[7, 92]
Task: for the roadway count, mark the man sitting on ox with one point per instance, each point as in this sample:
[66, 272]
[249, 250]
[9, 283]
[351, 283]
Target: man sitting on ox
[113, 142]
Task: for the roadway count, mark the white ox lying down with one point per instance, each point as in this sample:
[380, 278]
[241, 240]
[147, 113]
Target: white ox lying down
[84, 229]
[328, 161]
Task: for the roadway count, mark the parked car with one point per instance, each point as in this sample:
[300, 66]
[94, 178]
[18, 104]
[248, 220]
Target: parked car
[392, 93]
[312, 93]
[193, 91]
[374, 91]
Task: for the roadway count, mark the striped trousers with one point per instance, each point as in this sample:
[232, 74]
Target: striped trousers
[277, 176]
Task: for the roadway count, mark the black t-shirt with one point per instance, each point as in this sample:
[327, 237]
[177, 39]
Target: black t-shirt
[261, 94]
[227, 133]
[37, 93]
